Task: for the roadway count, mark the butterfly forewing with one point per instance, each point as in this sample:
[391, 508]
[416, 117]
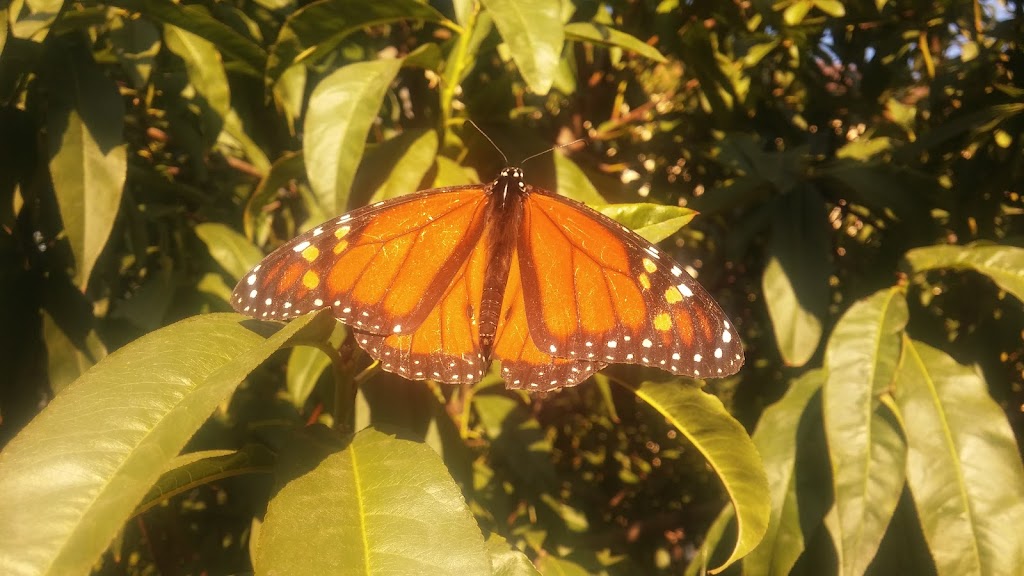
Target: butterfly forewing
[381, 268]
[594, 290]
[445, 346]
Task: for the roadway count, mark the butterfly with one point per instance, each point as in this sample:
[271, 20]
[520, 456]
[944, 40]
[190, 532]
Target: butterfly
[437, 284]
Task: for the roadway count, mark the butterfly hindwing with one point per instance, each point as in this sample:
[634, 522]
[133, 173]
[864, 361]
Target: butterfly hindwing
[524, 365]
[594, 290]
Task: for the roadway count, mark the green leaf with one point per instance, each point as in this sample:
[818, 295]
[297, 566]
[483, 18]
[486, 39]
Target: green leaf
[195, 469]
[833, 8]
[317, 29]
[250, 57]
[606, 36]
[867, 452]
[451, 173]
[573, 182]
[551, 565]
[507, 560]
[136, 42]
[795, 281]
[235, 254]
[65, 361]
[533, 32]
[205, 71]
[109, 435]
[654, 222]
[1003, 264]
[408, 170]
[305, 366]
[88, 155]
[379, 506]
[963, 465]
[722, 440]
[795, 12]
[289, 167]
[341, 110]
[777, 439]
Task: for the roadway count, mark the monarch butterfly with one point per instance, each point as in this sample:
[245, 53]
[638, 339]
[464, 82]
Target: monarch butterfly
[438, 283]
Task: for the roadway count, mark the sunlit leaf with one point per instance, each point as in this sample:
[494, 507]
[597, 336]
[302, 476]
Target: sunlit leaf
[723, 441]
[318, 28]
[607, 36]
[88, 155]
[1003, 264]
[795, 281]
[866, 449]
[197, 20]
[533, 31]
[73, 476]
[231, 250]
[341, 110]
[408, 170]
[380, 505]
[963, 465]
[205, 70]
[654, 222]
[573, 182]
[777, 438]
[195, 469]
[506, 560]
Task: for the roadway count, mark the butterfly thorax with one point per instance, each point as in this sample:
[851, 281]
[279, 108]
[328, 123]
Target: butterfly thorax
[504, 219]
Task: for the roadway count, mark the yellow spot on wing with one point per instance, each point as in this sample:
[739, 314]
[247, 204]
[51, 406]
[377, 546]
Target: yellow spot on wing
[649, 265]
[673, 296]
[340, 232]
[663, 322]
[310, 253]
[340, 247]
[310, 279]
[644, 281]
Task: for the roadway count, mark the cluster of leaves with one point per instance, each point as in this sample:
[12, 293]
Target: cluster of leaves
[857, 167]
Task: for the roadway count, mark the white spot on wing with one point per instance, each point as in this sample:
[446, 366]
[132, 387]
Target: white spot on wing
[685, 290]
[251, 279]
[301, 246]
[718, 352]
[647, 343]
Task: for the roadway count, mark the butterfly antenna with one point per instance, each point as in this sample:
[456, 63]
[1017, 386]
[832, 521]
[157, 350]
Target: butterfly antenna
[552, 149]
[478, 129]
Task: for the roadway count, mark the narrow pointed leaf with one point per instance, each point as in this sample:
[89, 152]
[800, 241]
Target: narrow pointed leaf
[204, 68]
[197, 20]
[795, 281]
[867, 452]
[317, 29]
[1003, 264]
[703, 419]
[963, 465]
[88, 155]
[409, 169]
[776, 438]
[235, 254]
[607, 36]
[381, 505]
[573, 182]
[534, 34]
[341, 110]
[654, 222]
[73, 476]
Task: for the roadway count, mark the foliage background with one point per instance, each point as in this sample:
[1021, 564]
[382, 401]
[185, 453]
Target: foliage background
[858, 168]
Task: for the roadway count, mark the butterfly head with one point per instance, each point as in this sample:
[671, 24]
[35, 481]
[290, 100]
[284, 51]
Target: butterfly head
[510, 181]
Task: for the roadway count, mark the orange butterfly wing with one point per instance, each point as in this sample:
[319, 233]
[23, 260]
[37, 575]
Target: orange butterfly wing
[594, 292]
[403, 273]
[437, 284]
